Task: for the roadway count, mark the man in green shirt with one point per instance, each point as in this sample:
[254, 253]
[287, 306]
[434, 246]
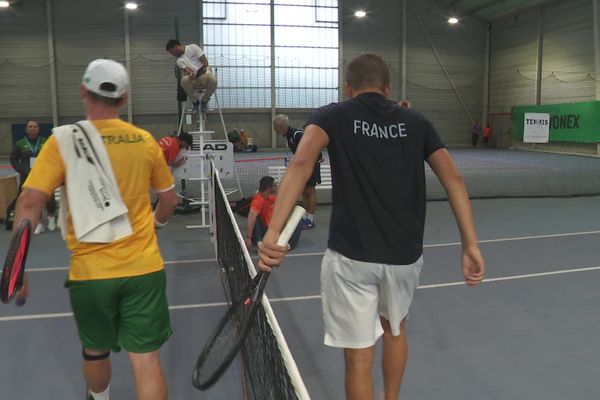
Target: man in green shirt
[23, 156]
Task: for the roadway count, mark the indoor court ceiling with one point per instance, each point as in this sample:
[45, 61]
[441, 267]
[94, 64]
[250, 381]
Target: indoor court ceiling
[488, 10]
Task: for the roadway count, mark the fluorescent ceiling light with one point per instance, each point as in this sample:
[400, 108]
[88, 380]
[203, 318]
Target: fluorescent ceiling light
[130, 5]
[452, 20]
[360, 14]
[4, 4]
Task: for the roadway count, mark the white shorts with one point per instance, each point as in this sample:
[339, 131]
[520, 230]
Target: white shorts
[356, 293]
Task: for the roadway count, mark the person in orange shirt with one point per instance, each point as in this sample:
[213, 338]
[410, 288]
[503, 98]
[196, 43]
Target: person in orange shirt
[487, 132]
[261, 210]
[172, 145]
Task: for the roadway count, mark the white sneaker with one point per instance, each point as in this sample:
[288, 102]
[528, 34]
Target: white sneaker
[51, 224]
[39, 228]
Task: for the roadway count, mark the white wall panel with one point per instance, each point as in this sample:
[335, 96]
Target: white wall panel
[84, 30]
[24, 71]
[152, 67]
[568, 65]
[513, 54]
[567, 57]
[460, 49]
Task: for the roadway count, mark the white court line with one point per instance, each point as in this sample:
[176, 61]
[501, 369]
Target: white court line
[462, 283]
[316, 297]
[202, 260]
[519, 238]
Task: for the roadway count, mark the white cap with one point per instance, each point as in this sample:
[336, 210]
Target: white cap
[107, 78]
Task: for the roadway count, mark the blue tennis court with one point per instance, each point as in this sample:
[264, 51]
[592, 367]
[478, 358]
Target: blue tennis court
[529, 331]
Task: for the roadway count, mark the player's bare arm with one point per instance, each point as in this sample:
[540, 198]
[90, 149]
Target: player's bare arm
[252, 215]
[30, 205]
[292, 184]
[204, 62]
[472, 260]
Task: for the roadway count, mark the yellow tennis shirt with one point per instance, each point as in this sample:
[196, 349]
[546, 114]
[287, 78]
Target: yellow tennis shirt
[138, 165]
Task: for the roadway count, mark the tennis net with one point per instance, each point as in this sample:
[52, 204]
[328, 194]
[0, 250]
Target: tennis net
[268, 368]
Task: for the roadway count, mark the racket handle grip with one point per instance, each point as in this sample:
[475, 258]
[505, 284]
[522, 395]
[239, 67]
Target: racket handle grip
[290, 226]
[20, 301]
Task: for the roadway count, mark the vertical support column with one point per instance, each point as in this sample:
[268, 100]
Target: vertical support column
[341, 79]
[403, 60]
[273, 93]
[201, 24]
[203, 180]
[442, 66]
[596, 33]
[540, 58]
[52, 63]
[128, 66]
[485, 109]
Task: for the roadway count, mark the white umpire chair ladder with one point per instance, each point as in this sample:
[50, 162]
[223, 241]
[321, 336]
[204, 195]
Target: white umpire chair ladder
[195, 174]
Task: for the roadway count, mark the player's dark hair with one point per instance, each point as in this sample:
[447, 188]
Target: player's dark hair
[367, 70]
[266, 182]
[31, 120]
[186, 137]
[172, 43]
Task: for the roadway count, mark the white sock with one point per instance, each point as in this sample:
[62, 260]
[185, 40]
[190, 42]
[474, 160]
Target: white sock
[310, 217]
[101, 396]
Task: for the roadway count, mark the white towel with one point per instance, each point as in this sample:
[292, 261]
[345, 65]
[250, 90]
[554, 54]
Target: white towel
[92, 196]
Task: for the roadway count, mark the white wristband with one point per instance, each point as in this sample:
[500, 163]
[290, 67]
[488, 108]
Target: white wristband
[157, 224]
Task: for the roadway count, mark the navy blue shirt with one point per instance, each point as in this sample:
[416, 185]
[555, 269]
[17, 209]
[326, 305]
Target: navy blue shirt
[377, 152]
[292, 137]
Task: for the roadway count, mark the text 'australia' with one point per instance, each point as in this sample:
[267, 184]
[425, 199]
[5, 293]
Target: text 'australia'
[394, 131]
[118, 139]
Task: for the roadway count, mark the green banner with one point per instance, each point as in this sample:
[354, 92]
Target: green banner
[572, 122]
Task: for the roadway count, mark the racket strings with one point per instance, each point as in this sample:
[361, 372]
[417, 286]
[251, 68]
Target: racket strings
[224, 343]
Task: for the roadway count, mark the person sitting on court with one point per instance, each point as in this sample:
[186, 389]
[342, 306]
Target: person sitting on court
[192, 61]
[172, 145]
[261, 210]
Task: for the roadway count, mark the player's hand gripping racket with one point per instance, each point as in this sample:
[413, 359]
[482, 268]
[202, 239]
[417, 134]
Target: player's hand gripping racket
[228, 336]
[14, 264]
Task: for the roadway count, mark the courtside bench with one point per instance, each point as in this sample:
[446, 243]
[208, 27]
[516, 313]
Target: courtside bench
[323, 189]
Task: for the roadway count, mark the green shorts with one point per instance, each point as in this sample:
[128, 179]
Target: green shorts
[129, 312]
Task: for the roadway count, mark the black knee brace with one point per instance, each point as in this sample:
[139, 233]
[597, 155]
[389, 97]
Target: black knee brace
[99, 357]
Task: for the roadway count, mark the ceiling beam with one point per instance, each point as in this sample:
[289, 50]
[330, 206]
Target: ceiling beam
[484, 6]
[462, 12]
[519, 9]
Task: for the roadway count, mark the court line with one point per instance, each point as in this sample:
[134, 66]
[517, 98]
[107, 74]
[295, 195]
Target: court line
[462, 283]
[316, 297]
[510, 239]
[202, 260]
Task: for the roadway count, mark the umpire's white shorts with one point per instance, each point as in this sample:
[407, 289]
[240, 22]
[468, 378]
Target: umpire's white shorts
[355, 294]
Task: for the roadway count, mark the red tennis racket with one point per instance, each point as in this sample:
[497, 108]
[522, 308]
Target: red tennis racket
[11, 280]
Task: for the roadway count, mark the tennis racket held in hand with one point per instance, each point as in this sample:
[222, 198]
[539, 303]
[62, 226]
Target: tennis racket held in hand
[11, 280]
[228, 336]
